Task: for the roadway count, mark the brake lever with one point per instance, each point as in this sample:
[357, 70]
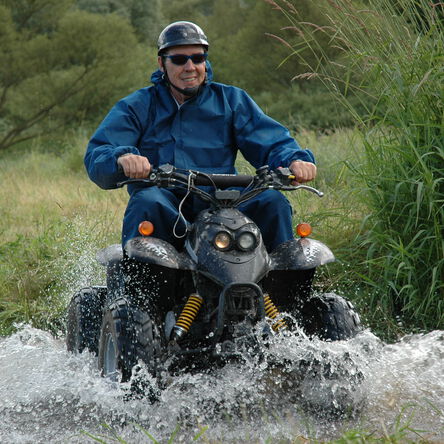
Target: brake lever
[303, 187]
[283, 178]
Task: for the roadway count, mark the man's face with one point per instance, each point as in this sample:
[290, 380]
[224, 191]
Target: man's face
[189, 75]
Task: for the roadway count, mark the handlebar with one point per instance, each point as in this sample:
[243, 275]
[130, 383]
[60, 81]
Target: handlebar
[223, 181]
[167, 176]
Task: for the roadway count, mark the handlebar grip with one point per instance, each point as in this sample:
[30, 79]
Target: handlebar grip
[224, 180]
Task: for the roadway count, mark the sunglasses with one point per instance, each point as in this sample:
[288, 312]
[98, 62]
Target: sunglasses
[182, 59]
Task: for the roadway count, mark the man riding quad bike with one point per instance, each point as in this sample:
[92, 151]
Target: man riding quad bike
[219, 259]
[206, 300]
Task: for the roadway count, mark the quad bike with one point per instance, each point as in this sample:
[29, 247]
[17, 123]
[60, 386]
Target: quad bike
[202, 304]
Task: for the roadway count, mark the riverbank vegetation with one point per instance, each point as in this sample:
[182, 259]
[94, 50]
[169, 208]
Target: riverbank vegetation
[360, 83]
[393, 52]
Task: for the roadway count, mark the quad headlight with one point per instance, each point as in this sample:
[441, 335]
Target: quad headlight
[246, 241]
[223, 240]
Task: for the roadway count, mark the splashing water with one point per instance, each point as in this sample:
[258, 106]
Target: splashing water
[50, 395]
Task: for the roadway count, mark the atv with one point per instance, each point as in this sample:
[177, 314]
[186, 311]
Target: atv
[171, 309]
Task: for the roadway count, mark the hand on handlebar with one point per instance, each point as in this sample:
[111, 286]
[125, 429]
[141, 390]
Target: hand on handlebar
[134, 166]
[304, 171]
[166, 176]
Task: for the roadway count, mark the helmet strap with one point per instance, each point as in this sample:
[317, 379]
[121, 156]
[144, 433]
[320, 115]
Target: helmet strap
[187, 92]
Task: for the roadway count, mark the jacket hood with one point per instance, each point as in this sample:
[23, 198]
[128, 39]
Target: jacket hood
[157, 76]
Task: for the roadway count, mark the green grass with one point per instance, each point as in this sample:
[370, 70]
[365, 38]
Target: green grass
[51, 215]
[400, 432]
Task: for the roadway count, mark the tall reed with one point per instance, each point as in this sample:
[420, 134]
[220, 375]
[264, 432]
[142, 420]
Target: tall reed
[393, 60]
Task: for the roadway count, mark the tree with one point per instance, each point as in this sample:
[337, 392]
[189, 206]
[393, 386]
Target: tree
[59, 65]
[145, 16]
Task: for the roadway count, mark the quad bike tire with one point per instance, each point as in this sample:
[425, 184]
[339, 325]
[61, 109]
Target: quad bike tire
[84, 320]
[331, 388]
[127, 336]
[330, 317]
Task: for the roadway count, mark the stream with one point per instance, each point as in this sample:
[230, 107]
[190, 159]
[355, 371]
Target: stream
[48, 395]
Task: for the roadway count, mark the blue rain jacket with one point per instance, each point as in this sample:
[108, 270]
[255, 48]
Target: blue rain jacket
[204, 133]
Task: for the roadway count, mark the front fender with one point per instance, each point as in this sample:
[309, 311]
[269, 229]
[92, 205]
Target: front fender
[156, 251]
[300, 254]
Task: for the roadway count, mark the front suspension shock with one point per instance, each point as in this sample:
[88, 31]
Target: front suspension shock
[272, 312]
[187, 317]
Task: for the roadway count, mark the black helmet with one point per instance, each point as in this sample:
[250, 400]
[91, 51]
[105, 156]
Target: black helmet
[181, 33]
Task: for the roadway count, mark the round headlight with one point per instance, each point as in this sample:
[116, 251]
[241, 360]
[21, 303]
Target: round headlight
[222, 240]
[246, 241]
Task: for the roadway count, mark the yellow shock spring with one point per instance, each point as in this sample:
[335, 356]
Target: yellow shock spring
[272, 312]
[189, 312]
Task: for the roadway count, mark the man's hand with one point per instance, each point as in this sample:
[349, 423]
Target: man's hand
[134, 166]
[304, 171]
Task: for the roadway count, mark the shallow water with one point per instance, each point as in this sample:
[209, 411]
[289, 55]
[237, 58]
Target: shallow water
[49, 395]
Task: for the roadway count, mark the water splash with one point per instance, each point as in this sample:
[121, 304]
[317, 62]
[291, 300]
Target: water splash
[78, 265]
[408, 380]
[49, 395]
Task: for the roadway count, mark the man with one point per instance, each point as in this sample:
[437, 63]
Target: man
[189, 121]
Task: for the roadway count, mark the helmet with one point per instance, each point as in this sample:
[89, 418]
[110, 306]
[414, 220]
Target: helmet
[181, 33]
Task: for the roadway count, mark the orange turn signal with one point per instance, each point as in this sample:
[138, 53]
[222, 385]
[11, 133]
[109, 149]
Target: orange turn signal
[303, 229]
[146, 228]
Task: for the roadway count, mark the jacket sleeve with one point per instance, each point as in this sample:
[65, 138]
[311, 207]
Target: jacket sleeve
[261, 139]
[118, 134]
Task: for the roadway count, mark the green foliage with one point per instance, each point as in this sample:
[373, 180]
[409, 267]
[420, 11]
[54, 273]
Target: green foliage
[145, 16]
[312, 108]
[23, 274]
[60, 65]
[189, 10]
[37, 16]
[263, 47]
[398, 51]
